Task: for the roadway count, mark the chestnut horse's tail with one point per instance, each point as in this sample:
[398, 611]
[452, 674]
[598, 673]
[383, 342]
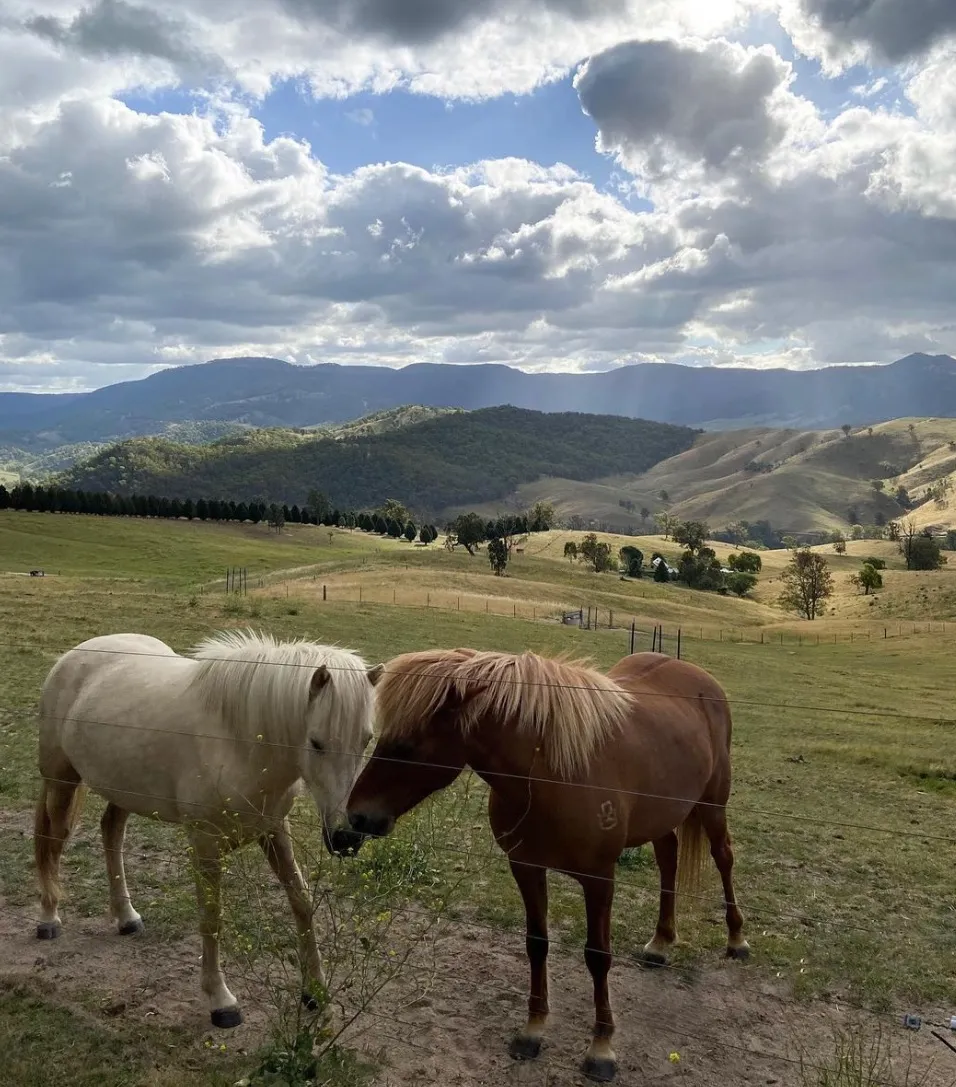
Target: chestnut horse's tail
[57, 813]
[692, 842]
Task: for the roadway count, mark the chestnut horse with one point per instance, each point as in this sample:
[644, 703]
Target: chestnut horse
[580, 766]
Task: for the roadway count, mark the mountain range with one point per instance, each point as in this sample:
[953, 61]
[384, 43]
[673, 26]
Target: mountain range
[266, 392]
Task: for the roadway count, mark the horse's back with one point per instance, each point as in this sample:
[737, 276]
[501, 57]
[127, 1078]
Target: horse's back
[686, 683]
[676, 697]
[72, 673]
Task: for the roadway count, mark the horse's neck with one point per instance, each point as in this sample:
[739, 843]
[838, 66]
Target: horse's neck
[274, 747]
[504, 757]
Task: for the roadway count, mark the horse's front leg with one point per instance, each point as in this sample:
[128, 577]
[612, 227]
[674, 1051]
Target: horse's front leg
[600, 1063]
[277, 846]
[207, 860]
[532, 881]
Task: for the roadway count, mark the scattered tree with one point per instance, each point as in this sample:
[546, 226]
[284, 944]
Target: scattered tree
[846, 428]
[319, 505]
[469, 530]
[663, 496]
[632, 561]
[747, 562]
[807, 583]
[666, 523]
[540, 517]
[276, 518]
[839, 545]
[869, 579]
[393, 510]
[596, 552]
[951, 539]
[740, 582]
[920, 550]
[498, 555]
[878, 485]
[410, 532]
[692, 534]
[571, 550]
[645, 513]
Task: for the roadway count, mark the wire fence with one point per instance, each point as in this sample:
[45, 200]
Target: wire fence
[594, 617]
[495, 861]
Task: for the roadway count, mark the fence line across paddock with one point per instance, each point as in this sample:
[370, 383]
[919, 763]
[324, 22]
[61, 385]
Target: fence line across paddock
[596, 617]
[614, 879]
[366, 757]
[757, 703]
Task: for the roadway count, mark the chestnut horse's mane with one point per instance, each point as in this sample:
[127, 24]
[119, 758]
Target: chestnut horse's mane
[568, 705]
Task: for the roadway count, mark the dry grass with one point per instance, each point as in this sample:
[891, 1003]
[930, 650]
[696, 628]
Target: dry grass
[830, 742]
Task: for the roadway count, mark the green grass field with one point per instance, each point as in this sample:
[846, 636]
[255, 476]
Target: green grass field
[845, 769]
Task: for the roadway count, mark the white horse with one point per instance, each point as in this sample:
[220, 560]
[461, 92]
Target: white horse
[218, 741]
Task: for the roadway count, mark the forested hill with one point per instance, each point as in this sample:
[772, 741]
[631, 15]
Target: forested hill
[450, 460]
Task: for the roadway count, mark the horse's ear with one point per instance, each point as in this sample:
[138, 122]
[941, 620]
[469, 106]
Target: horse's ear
[375, 673]
[320, 677]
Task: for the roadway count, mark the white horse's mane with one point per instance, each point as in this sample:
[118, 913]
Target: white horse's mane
[257, 683]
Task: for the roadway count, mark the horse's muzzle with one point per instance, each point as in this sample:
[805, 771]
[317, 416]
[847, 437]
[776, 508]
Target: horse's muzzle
[370, 826]
[342, 842]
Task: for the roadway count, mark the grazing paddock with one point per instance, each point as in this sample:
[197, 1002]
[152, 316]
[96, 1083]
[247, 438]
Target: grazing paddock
[841, 811]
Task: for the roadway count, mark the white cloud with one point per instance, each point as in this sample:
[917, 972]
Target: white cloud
[130, 241]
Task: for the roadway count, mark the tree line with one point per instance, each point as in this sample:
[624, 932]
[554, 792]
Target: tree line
[391, 519]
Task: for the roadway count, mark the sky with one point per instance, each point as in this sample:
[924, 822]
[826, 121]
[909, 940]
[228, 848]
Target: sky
[564, 185]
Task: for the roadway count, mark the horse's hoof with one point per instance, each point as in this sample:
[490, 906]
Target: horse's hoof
[652, 960]
[132, 928]
[741, 954]
[48, 930]
[524, 1047]
[600, 1069]
[226, 1018]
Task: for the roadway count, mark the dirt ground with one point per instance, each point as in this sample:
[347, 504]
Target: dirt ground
[450, 1023]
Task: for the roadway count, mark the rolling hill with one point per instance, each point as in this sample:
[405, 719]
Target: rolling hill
[798, 480]
[431, 464]
[265, 392]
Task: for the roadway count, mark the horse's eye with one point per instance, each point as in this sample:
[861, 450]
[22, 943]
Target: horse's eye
[317, 745]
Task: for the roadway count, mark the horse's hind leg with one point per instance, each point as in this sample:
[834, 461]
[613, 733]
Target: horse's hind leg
[657, 949]
[57, 811]
[714, 819]
[113, 826]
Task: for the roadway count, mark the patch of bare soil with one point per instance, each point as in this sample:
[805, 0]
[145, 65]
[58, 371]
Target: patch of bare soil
[449, 1021]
